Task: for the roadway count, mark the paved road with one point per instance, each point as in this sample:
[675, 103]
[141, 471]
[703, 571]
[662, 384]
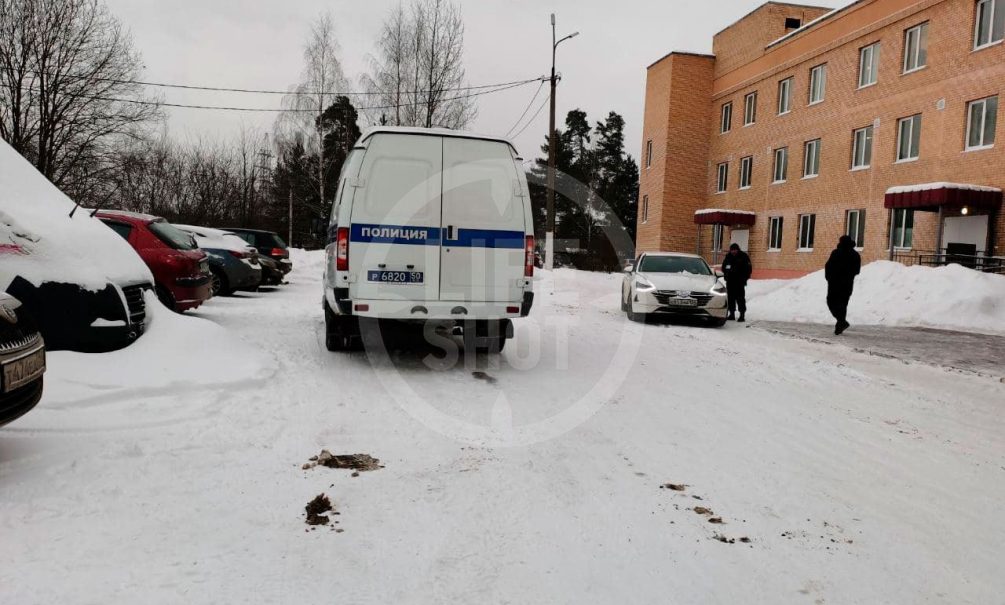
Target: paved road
[980, 353]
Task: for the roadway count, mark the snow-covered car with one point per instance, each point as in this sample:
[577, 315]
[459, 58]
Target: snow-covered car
[273, 253]
[233, 263]
[669, 283]
[22, 360]
[80, 282]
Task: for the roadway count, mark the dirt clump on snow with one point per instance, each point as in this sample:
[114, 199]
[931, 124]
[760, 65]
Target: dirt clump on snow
[677, 487]
[316, 508]
[356, 462]
[701, 510]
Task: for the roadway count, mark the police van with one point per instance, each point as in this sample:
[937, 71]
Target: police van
[430, 225]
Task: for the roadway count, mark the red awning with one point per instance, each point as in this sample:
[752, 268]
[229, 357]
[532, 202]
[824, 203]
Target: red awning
[951, 195]
[715, 216]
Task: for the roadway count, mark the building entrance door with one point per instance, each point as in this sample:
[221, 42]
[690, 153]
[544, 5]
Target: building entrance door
[740, 237]
[970, 230]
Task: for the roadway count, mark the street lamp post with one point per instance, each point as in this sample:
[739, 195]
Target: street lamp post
[549, 234]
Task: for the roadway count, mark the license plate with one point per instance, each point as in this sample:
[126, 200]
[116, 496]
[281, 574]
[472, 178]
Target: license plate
[395, 277]
[683, 302]
[19, 372]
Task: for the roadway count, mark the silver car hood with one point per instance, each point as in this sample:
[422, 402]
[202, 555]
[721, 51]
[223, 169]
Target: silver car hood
[680, 281]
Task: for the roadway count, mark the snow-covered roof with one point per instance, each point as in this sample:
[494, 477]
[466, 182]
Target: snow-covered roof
[941, 185]
[215, 239]
[725, 211]
[440, 132]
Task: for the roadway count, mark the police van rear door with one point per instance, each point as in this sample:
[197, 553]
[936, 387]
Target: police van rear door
[394, 241]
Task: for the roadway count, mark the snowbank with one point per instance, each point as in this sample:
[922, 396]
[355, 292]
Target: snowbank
[889, 293]
[41, 242]
[177, 354]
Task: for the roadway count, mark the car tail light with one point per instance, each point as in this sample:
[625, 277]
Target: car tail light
[512, 309]
[238, 254]
[279, 252]
[528, 262]
[342, 249]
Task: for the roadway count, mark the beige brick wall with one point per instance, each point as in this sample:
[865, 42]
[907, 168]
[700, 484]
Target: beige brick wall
[745, 40]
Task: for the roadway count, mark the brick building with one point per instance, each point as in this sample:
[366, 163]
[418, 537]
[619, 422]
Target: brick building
[877, 120]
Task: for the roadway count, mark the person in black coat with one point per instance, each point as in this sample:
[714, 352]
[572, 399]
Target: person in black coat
[736, 269]
[840, 271]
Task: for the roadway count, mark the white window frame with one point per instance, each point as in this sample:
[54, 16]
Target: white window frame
[858, 233]
[726, 117]
[746, 171]
[818, 80]
[900, 233]
[862, 141]
[912, 58]
[750, 109]
[815, 144]
[783, 165]
[722, 177]
[810, 221]
[984, 143]
[649, 153]
[915, 138]
[775, 233]
[785, 96]
[868, 65]
[645, 208]
[997, 8]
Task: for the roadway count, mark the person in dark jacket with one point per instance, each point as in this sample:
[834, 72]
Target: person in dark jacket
[840, 271]
[736, 269]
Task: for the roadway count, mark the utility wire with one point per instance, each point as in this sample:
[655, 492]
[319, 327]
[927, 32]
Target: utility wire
[526, 109]
[531, 120]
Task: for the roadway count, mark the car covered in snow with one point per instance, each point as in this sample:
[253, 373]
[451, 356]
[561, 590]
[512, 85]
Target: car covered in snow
[232, 262]
[182, 278]
[22, 360]
[82, 285]
[673, 284]
[273, 253]
[430, 225]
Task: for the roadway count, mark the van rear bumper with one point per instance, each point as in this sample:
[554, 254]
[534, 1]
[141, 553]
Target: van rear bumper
[435, 310]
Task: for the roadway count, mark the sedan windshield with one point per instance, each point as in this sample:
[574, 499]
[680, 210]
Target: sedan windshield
[674, 264]
[172, 236]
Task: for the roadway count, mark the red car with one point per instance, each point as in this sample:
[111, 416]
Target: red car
[181, 270]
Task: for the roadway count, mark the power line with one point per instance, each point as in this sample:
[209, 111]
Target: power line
[531, 120]
[526, 109]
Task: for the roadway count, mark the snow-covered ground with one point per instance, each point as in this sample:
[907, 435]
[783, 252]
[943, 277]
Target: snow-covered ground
[172, 472]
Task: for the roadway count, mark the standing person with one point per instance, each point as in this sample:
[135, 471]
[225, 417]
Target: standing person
[840, 271]
[736, 268]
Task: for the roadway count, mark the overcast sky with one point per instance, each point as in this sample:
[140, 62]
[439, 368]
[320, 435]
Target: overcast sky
[259, 44]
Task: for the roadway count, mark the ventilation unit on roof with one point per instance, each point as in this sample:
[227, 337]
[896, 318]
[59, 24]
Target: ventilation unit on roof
[793, 23]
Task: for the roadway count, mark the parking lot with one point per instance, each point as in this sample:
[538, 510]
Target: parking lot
[539, 475]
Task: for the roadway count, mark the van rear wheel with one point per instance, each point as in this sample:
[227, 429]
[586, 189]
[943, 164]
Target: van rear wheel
[339, 335]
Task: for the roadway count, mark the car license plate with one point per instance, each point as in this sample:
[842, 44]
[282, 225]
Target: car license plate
[19, 372]
[683, 302]
[395, 277]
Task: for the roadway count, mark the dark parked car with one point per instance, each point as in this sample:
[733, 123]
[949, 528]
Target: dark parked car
[181, 270]
[22, 361]
[80, 283]
[269, 245]
[233, 263]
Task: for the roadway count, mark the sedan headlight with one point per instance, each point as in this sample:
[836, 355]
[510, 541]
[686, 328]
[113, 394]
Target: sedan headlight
[643, 285]
[719, 288]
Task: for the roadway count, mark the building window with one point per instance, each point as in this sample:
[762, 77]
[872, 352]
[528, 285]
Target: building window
[645, 209]
[717, 238]
[811, 158]
[775, 233]
[818, 83]
[793, 23]
[903, 228]
[649, 153]
[780, 172]
[807, 225]
[726, 118]
[722, 177]
[861, 148]
[785, 96]
[908, 138]
[916, 48]
[982, 120]
[750, 109]
[990, 27]
[868, 65]
[746, 168]
[854, 226]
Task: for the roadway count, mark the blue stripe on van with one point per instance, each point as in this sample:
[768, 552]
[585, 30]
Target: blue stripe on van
[487, 238]
[430, 236]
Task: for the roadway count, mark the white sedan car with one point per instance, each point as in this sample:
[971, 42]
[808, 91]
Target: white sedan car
[670, 283]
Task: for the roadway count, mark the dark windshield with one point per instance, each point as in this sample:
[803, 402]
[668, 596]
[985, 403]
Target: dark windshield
[277, 242]
[674, 264]
[173, 236]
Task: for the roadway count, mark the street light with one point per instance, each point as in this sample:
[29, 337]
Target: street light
[549, 234]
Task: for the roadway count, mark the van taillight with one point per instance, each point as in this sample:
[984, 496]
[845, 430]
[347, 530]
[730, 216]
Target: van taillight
[528, 262]
[279, 252]
[342, 249]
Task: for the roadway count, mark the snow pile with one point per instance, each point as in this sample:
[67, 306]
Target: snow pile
[41, 242]
[177, 354]
[889, 293]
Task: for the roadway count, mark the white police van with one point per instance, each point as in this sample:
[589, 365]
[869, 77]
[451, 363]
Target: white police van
[430, 225]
